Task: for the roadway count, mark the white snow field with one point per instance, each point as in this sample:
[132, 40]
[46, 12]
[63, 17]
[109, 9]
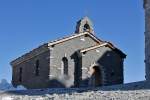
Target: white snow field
[131, 91]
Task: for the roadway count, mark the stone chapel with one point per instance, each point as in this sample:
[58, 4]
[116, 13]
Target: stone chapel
[79, 60]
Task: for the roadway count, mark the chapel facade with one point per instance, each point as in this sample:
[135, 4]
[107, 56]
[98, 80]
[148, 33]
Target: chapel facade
[79, 60]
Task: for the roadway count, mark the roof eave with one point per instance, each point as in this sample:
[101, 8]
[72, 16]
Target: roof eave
[74, 36]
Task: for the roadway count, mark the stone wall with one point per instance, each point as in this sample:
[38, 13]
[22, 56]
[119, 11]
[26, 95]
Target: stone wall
[29, 77]
[110, 63]
[147, 38]
[67, 49]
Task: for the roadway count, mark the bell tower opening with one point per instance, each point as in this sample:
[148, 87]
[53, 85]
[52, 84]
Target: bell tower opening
[86, 27]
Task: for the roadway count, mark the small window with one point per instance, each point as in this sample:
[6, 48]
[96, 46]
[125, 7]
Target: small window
[86, 35]
[65, 65]
[112, 73]
[84, 52]
[52, 45]
[20, 74]
[37, 68]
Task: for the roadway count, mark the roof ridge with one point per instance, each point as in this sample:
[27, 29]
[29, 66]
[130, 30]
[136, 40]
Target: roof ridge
[72, 37]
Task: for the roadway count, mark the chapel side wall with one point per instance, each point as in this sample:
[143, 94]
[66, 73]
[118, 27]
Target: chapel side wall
[67, 49]
[111, 64]
[29, 79]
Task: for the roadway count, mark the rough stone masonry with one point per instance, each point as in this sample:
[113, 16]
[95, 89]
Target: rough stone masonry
[147, 38]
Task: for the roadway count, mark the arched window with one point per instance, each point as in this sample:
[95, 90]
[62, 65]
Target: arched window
[37, 69]
[20, 74]
[65, 65]
[86, 27]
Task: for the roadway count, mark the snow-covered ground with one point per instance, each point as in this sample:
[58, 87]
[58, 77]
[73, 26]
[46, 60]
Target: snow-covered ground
[131, 91]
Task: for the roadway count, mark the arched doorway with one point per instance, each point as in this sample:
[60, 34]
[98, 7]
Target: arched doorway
[95, 76]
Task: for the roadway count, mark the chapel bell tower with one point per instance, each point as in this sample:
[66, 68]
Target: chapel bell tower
[84, 25]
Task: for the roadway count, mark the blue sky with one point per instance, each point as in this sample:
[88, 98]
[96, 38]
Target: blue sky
[26, 24]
